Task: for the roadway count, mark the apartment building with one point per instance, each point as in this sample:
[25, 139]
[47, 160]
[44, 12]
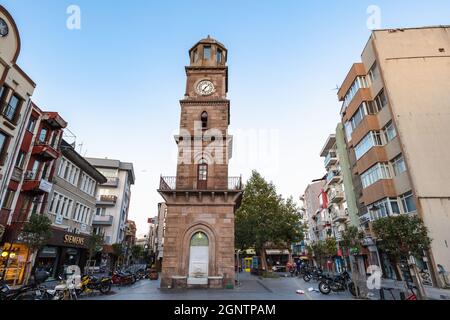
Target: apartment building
[395, 115]
[312, 205]
[30, 185]
[71, 208]
[16, 88]
[113, 199]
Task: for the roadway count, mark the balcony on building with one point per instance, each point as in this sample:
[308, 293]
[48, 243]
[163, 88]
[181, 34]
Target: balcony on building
[106, 200]
[54, 120]
[336, 195]
[193, 184]
[331, 159]
[111, 182]
[340, 216]
[32, 185]
[106, 220]
[44, 151]
[333, 176]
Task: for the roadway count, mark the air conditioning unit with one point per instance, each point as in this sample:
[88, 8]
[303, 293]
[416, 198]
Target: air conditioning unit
[29, 175]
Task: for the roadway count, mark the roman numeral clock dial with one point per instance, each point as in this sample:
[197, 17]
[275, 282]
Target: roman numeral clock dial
[205, 88]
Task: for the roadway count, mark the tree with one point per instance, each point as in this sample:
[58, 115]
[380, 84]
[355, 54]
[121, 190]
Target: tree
[400, 237]
[35, 234]
[352, 239]
[137, 252]
[265, 218]
[117, 251]
[94, 244]
[319, 251]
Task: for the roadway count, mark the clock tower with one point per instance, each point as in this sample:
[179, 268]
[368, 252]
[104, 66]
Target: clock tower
[201, 200]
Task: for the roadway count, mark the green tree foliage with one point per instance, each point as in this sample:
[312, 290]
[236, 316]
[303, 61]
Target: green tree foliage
[265, 217]
[36, 232]
[352, 239]
[330, 247]
[94, 244]
[402, 235]
[319, 251]
[117, 249]
[137, 252]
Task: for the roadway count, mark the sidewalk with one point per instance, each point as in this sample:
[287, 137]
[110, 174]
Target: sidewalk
[437, 293]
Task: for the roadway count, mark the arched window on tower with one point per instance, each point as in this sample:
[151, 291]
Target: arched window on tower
[202, 179]
[204, 118]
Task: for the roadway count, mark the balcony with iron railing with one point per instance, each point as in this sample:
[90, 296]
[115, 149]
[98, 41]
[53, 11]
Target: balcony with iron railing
[336, 196]
[33, 185]
[333, 176]
[45, 151]
[106, 220]
[340, 215]
[330, 159]
[111, 182]
[192, 183]
[106, 200]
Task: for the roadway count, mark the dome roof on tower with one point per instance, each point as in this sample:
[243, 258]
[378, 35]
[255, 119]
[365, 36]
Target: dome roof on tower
[209, 40]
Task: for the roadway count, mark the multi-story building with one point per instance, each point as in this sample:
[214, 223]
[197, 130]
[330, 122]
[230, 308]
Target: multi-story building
[113, 199]
[394, 111]
[152, 238]
[130, 239]
[312, 206]
[160, 234]
[71, 208]
[31, 183]
[16, 88]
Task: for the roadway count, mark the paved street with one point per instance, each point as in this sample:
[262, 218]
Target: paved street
[252, 288]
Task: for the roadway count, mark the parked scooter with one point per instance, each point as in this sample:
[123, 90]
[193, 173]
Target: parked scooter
[32, 291]
[315, 274]
[122, 278]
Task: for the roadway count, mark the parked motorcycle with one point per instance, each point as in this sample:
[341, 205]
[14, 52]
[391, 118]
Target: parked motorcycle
[339, 283]
[122, 278]
[90, 283]
[32, 291]
[315, 274]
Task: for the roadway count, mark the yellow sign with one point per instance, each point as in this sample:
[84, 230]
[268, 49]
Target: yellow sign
[73, 240]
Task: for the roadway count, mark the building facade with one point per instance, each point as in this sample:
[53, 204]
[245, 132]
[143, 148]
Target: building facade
[30, 185]
[16, 88]
[394, 115]
[113, 199]
[71, 208]
[160, 234]
[202, 198]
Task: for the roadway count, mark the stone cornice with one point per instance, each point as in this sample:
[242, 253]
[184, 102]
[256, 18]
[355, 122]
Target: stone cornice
[205, 102]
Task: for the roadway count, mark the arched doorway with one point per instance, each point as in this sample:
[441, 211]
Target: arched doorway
[198, 259]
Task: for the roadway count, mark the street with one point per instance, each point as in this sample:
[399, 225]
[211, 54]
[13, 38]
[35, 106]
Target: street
[251, 288]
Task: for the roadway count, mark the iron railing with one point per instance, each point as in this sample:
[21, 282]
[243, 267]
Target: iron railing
[192, 183]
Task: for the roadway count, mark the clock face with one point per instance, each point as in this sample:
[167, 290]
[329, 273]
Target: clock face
[205, 88]
[3, 28]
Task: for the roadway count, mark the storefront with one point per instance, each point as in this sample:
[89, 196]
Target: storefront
[13, 261]
[62, 250]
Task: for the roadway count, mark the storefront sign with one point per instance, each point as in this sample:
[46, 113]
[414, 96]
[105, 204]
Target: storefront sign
[70, 239]
[59, 219]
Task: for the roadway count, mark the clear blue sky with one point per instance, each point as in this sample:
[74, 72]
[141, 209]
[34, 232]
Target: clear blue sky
[117, 81]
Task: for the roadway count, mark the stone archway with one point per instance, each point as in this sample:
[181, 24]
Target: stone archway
[190, 232]
[198, 271]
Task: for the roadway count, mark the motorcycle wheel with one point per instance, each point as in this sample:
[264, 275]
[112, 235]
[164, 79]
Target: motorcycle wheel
[133, 279]
[105, 288]
[351, 288]
[324, 287]
[306, 278]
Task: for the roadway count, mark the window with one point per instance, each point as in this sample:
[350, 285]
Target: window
[348, 130]
[377, 172]
[43, 135]
[372, 139]
[358, 116]
[195, 55]
[204, 119]
[35, 169]
[2, 91]
[219, 55]
[383, 208]
[31, 124]
[389, 132]
[206, 52]
[374, 73]
[359, 83]
[11, 108]
[9, 197]
[202, 170]
[20, 162]
[399, 165]
[408, 203]
[3, 143]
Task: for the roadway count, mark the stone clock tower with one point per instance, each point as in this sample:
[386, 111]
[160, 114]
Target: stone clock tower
[202, 198]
